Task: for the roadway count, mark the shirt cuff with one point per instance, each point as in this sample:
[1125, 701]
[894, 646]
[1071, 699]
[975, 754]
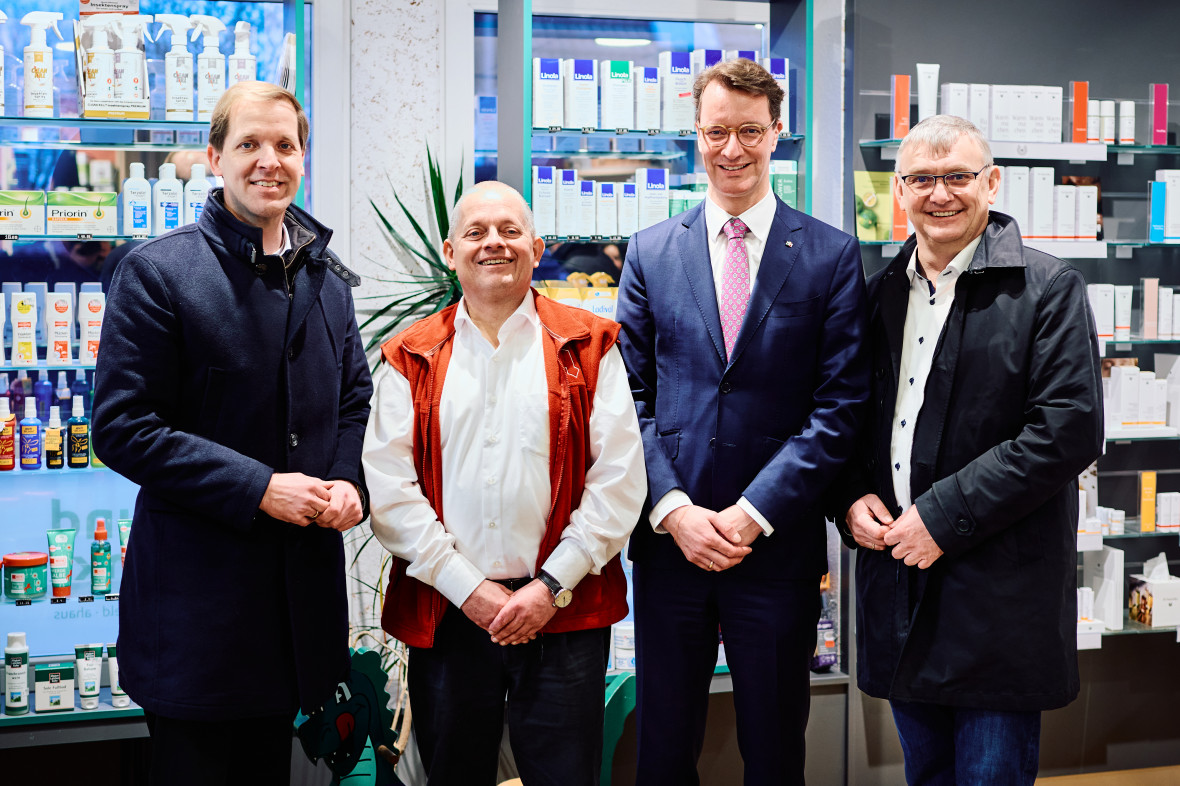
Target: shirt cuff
[748, 506]
[676, 498]
[457, 578]
[568, 564]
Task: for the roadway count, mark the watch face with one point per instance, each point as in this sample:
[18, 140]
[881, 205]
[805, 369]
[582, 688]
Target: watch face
[563, 598]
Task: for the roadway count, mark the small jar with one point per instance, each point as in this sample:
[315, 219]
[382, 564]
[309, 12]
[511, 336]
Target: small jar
[26, 575]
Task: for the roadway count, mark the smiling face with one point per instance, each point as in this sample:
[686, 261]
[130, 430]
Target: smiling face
[739, 176]
[946, 221]
[261, 161]
[493, 249]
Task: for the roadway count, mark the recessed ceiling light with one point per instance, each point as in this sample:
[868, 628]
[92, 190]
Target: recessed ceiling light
[622, 41]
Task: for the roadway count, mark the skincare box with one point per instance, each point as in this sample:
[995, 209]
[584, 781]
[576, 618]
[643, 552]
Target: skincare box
[954, 99]
[647, 98]
[628, 199]
[544, 200]
[59, 320]
[71, 213]
[1065, 212]
[1040, 219]
[1017, 196]
[1158, 115]
[54, 687]
[899, 105]
[979, 106]
[1087, 204]
[23, 316]
[676, 87]
[652, 186]
[1079, 95]
[779, 69]
[568, 206]
[618, 95]
[606, 210]
[579, 79]
[1102, 304]
[705, 58]
[587, 209]
[22, 213]
[548, 104]
[741, 54]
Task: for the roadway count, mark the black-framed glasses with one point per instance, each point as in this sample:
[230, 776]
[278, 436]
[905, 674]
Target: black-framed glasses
[954, 181]
[749, 134]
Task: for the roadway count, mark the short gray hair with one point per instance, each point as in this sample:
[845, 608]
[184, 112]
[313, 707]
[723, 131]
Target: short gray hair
[938, 134]
[529, 222]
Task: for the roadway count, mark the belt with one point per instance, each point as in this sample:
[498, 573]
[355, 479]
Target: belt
[514, 584]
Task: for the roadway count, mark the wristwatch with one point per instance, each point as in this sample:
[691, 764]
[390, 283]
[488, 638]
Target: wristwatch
[561, 595]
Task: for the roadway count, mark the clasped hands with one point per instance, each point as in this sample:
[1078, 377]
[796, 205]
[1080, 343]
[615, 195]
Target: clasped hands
[709, 539]
[303, 500]
[510, 617]
[873, 527]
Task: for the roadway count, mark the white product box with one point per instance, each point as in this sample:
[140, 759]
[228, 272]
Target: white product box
[628, 199]
[1124, 395]
[1109, 125]
[1002, 192]
[1040, 203]
[1065, 212]
[53, 687]
[1149, 411]
[1036, 100]
[741, 54]
[1017, 198]
[979, 107]
[1149, 293]
[1102, 571]
[617, 94]
[41, 290]
[652, 187]
[704, 58]
[954, 99]
[607, 210]
[1000, 110]
[92, 307]
[1122, 312]
[1093, 121]
[23, 315]
[579, 80]
[647, 98]
[487, 132]
[1126, 122]
[1054, 123]
[1171, 180]
[545, 200]
[548, 95]
[1102, 304]
[678, 113]
[1087, 203]
[59, 320]
[587, 208]
[1159, 403]
[779, 69]
[1154, 601]
[1164, 313]
[568, 205]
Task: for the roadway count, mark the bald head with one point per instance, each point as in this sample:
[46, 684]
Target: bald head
[491, 191]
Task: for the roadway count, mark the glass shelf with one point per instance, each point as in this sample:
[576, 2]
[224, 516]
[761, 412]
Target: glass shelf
[636, 154]
[1131, 530]
[1130, 627]
[1037, 151]
[566, 133]
[1139, 340]
[44, 238]
[1141, 434]
[47, 365]
[1150, 150]
[605, 239]
[18, 472]
[106, 125]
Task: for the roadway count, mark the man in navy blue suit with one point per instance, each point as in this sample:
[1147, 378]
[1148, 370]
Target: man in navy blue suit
[742, 328]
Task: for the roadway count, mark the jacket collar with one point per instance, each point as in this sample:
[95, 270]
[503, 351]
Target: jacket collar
[1001, 247]
[240, 240]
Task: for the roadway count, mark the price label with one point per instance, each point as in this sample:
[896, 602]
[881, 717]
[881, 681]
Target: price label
[554, 129]
[85, 598]
[653, 132]
[588, 129]
[622, 131]
[112, 597]
[85, 237]
[9, 237]
[57, 600]
[24, 602]
[686, 132]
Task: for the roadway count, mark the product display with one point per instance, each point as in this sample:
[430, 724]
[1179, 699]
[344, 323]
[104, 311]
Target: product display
[100, 561]
[88, 663]
[38, 84]
[210, 65]
[243, 66]
[16, 675]
[137, 203]
[25, 575]
[178, 67]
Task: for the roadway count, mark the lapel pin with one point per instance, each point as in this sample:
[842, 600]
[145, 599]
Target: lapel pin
[790, 244]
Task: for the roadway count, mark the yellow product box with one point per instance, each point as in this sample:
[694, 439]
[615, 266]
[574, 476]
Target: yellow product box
[601, 300]
[1147, 486]
[22, 213]
[71, 213]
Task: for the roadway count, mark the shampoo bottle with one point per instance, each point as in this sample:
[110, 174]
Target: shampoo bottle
[210, 65]
[38, 92]
[78, 445]
[30, 437]
[137, 203]
[166, 198]
[100, 561]
[7, 437]
[16, 675]
[178, 68]
[243, 66]
[43, 394]
[55, 452]
[195, 192]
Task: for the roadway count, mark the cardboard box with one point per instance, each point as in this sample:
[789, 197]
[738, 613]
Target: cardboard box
[1079, 95]
[71, 213]
[1154, 602]
[22, 213]
[899, 105]
[54, 687]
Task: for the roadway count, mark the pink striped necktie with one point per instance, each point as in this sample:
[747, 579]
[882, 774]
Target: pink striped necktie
[735, 283]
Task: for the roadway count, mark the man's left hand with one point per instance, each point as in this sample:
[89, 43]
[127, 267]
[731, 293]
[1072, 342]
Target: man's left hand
[528, 610]
[344, 510]
[737, 526]
[911, 540]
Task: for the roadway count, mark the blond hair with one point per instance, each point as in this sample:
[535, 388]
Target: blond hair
[262, 91]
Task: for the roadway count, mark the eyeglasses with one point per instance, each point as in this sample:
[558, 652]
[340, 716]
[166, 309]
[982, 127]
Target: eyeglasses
[954, 181]
[749, 134]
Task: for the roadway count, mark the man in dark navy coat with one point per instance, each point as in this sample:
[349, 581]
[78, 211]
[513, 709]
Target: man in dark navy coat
[232, 386]
[742, 326]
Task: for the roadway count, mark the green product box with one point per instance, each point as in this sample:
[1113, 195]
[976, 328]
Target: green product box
[786, 188]
[22, 213]
[71, 213]
[54, 687]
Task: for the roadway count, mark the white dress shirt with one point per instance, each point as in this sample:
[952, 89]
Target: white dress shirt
[494, 419]
[758, 219]
[925, 316]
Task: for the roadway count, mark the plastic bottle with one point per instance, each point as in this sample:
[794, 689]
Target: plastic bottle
[210, 65]
[7, 436]
[178, 68]
[167, 195]
[16, 675]
[43, 394]
[18, 390]
[78, 445]
[3, 18]
[131, 82]
[137, 203]
[63, 390]
[38, 91]
[30, 437]
[243, 66]
[195, 192]
[81, 387]
[100, 560]
[55, 452]
[100, 58]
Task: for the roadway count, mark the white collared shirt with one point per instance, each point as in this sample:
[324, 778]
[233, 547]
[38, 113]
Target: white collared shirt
[925, 316]
[494, 419]
[758, 219]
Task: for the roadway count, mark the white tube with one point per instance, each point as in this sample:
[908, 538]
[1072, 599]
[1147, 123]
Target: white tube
[89, 662]
[119, 697]
[927, 90]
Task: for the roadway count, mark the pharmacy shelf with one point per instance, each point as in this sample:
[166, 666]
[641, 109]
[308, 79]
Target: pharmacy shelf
[56, 728]
[1141, 434]
[95, 124]
[1131, 530]
[1131, 628]
[1033, 151]
[1064, 249]
[604, 239]
[78, 144]
[643, 155]
[12, 475]
[593, 133]
[1146, 150]
[1139, 340]
[48, 365]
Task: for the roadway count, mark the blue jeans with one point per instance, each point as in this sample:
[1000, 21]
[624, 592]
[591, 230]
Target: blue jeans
[954, 745]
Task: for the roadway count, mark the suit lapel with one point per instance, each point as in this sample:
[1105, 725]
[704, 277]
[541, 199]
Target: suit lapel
[895, 299]
[778, 259]
[693, 242]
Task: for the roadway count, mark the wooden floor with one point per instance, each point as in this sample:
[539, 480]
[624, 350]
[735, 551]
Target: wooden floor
[1152, 776]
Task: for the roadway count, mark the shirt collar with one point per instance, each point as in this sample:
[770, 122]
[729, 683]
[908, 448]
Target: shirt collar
[758, 218]
[525, 314]
[958, 265]
[286, 245]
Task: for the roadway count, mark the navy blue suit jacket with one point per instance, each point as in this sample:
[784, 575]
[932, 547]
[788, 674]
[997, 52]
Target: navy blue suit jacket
[777, 421]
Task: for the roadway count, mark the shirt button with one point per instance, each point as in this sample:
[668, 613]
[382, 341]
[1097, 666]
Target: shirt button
[491, 525]
[492, 440]
[903, 424]
[290, 296]
[492, 399]
[726, 387]
[491, 480]
[911, 380]
[293, 439]
[496, 564]
[932, 301]
[291, 354]
[897, 466]
[920, 339]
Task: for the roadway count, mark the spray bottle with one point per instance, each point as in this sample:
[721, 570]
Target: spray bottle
[38, 98]
[100, 59]
[243, 66]
[210, 65]
[195, 192]
[55, 454]
[30, 437]
[7, 436]
[16, 675]
[178, 68]
[167, 196]
[78, 444]
[63, 390]
[100, 560]
[3, 18]
[130, 65]
[137, 203]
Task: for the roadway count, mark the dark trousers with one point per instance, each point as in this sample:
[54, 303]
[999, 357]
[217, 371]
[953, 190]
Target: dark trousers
[554, 687]
[253, 751]
[944, 746]
[768, 624]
